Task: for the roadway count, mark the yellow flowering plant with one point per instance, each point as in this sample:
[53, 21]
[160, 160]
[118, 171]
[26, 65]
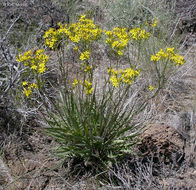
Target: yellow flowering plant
[122, 76]
[126, 40]
[164, 61]
[117, 39]
[139, 34]
[94, 124]
[53, 37]
[34, 63]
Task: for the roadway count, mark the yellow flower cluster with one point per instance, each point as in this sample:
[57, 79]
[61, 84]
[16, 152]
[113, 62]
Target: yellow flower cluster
[117, 39]
[83, 30]
[129, 75]
[177, 59]
[54, 36]
[87, 85]
[28, 88]
[76, 82]
[36, 60]
[139, 34]
[170, 55]
[126, 76]
[85, 55]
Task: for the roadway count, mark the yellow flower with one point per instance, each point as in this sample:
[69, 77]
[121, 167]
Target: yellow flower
[154, 58]
[75, 48]
[27, 92]
[87, 83]
[42, 68]
[151, 88]
[34, 85]
[114, 81]
[25, 83]
[170, 51]
[89, 91]
[19, 58]
[154, 23]
[75, 82]
[120, 52]
[112, 71]
[39, 51]
[120, 71]
[116, 44]
[108, 33]
[60, 25]
[162, 54]
[28, 53]
[82, 16]
[34, 67]
[177, 59]
[85, 55]
[108, 41]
